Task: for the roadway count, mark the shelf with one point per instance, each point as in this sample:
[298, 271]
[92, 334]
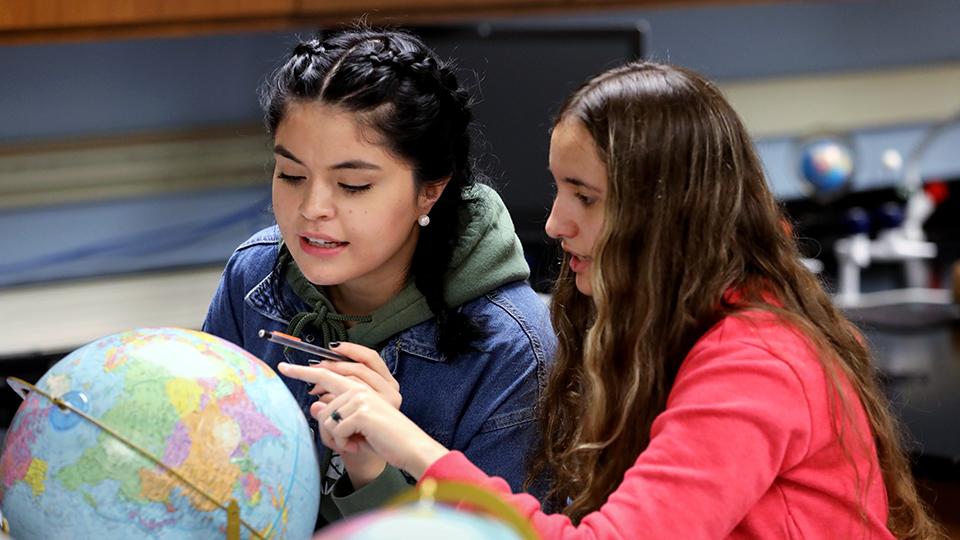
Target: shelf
[62, 20]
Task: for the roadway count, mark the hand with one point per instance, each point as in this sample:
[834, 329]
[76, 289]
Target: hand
[363, 466]
[368, 368]
[367, 421]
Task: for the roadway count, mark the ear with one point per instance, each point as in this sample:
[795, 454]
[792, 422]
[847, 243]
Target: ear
[429, 194]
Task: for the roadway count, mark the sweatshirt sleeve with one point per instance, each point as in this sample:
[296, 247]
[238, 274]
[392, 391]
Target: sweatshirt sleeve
[736, 416]
[390, 484]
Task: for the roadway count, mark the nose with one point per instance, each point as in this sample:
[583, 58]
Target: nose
[559, 226]
[316, 202]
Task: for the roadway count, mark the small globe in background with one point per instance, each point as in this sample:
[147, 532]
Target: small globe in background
[827, 165]
[202, 406]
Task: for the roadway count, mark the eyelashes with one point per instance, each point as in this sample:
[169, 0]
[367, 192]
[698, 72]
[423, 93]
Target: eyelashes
[353, 188]
[290, 178]
[348, 188]
[584, 200]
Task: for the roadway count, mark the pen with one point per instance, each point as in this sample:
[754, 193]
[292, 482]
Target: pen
[296, 343]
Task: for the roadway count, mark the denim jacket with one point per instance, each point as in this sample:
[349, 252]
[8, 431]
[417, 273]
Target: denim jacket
[481, 402]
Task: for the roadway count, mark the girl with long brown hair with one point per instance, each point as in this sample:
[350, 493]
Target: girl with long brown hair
[705, 385]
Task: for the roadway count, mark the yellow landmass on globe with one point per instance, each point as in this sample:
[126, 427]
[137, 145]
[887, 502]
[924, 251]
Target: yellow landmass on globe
[36, 475]
[184, 395]
[213, 438]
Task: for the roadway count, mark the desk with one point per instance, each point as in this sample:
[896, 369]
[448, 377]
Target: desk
[922, 371]
[922, 365]
[57, 318]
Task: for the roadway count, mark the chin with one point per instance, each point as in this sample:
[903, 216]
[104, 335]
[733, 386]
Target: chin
[583, 284]
[322, 277]
[323, 281]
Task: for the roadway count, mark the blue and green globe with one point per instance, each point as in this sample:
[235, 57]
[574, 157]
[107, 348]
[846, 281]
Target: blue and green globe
[827, 165]
[175, 425]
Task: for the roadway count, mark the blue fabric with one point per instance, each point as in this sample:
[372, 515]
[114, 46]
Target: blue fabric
[481, 402]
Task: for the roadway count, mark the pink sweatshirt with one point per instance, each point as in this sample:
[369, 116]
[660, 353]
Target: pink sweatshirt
[744, 449]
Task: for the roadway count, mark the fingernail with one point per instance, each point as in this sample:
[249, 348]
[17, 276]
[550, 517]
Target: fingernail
[283, 366]
[334, 344]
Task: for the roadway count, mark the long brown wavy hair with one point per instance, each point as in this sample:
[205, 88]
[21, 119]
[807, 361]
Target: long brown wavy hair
[688, 216]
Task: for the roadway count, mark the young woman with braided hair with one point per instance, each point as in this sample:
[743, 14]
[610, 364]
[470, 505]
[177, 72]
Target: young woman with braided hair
[385, 239]
[705, 386]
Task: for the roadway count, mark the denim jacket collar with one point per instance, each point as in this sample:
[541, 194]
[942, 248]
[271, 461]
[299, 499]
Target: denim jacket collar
[263, 299]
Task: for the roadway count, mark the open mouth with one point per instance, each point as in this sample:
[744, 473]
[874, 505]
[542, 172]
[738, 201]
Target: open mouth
[578, 263]
[324, 243]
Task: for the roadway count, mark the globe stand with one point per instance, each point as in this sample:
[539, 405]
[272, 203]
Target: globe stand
[24, 388]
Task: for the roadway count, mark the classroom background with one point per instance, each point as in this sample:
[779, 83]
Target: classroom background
[133, 159]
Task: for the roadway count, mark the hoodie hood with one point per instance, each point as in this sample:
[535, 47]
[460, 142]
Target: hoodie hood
[487, 255]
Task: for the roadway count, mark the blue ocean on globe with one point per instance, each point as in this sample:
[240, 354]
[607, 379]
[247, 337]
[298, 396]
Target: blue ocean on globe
[218, 424]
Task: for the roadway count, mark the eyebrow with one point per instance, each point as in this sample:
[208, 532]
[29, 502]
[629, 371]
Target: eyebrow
[280, 150]
[581, 184]
[354, 164]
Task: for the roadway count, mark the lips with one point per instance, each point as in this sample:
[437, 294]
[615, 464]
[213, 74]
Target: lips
[321, 246]
[578, 263]
[318, 242]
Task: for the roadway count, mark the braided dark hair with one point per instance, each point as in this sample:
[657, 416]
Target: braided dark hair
[399, 87]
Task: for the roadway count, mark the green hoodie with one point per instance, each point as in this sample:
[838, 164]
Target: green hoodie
[487, 255]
